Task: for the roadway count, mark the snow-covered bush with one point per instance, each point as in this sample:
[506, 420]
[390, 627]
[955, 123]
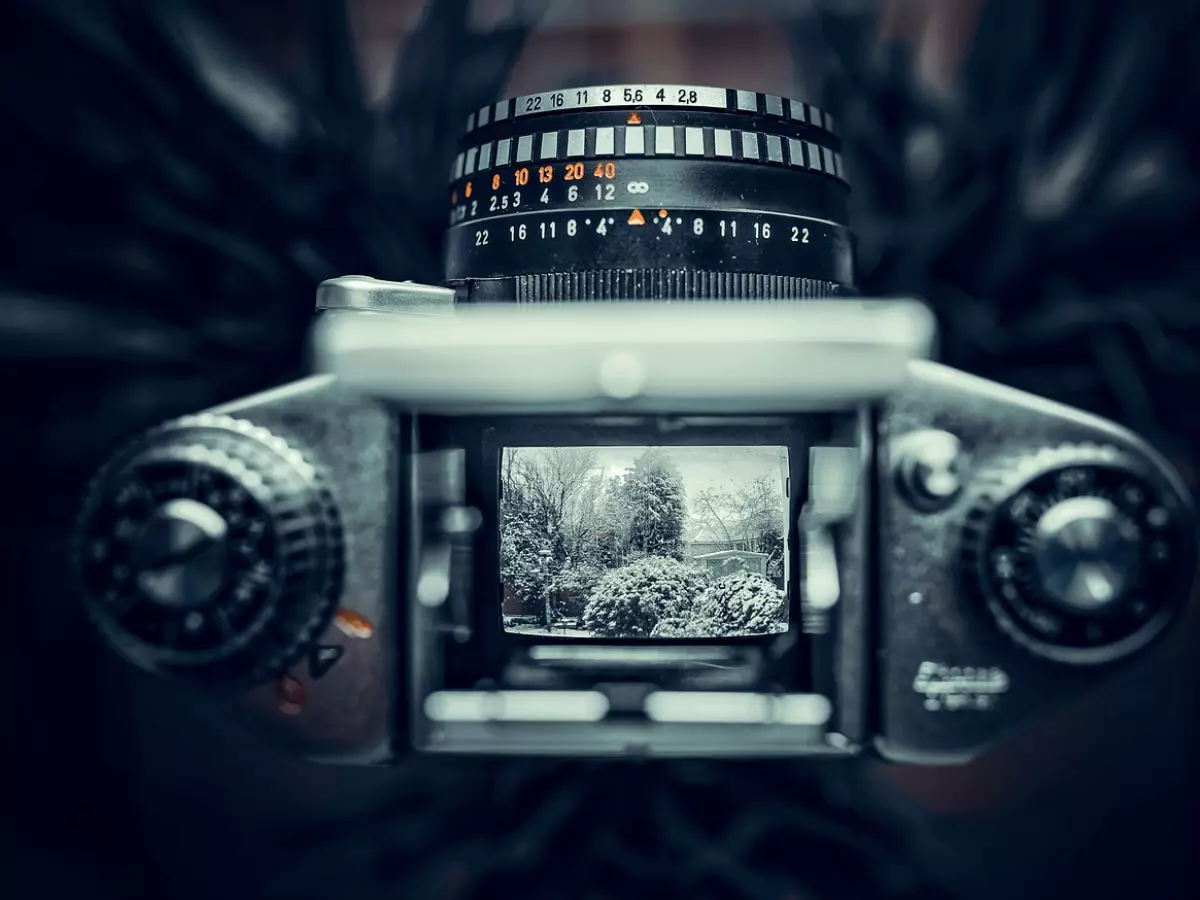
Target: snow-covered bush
[682, 627]
[745, 603]
[632, 600]
[576, 584]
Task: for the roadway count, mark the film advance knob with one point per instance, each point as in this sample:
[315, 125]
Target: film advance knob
[180, 554]
[1086, 553]
[210, 550]
[1082, 553]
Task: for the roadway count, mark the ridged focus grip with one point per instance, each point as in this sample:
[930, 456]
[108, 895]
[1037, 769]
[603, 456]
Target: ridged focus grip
[655, 284]
[1081, 553]
[210, 550]
[649, 192]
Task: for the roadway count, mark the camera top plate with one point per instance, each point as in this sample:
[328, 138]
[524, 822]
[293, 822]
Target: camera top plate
[657, 357]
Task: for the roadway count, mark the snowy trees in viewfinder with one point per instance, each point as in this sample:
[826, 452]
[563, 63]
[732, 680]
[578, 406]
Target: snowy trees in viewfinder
[653, 492]
[545, 509]
[576, 542]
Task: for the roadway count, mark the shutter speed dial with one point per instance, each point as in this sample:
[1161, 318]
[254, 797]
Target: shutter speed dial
[210, 550]
[1086, 553]
[1082, 553]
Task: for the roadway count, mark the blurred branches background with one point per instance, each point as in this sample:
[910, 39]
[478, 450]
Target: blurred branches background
[1046, 206]
[172, 200]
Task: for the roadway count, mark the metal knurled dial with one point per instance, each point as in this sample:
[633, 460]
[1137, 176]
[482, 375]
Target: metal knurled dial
[1082, 553]
[210, 550]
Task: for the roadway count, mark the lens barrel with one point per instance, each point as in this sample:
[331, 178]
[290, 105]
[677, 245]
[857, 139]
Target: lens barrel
[628, 192]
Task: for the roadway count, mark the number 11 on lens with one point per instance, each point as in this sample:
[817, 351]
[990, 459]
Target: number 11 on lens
[548, 229]
[728, 229]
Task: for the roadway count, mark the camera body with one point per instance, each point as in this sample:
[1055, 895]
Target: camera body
[961, 557]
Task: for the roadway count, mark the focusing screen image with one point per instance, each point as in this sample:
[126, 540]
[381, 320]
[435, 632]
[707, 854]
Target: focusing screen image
[644, 542]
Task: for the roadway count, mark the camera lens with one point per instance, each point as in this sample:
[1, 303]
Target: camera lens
[630, 192]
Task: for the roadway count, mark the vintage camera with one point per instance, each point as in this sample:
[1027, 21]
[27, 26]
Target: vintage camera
[942, 558]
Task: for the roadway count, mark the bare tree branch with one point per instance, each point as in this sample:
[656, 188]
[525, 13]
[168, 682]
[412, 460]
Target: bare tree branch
[717, 508]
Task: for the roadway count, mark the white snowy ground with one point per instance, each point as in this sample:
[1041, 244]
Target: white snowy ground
[580, 633]
[554, 632]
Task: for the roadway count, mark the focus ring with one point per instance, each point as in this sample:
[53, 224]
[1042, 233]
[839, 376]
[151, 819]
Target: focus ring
[652, 96]
[649, 142]
[667, 284]
[654, 192]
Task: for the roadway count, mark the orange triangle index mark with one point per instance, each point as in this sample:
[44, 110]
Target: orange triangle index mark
[634, 119]
[636, 218]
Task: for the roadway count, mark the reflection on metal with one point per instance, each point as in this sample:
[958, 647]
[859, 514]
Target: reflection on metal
[716, 707]
[352, 624]
[834, 477]
[516, 706]
[361, 292]
[290, 694]
[930, 468]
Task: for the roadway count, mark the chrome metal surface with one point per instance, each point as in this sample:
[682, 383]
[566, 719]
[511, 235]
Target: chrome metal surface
[366, 294]
[1086, 553]
[929, 466]
[702, 358]
[180, 553]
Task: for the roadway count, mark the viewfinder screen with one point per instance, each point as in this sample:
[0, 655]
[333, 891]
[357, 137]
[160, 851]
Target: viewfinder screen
[644, 542]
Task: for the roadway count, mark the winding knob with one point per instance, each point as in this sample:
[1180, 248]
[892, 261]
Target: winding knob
[1083, 554]
[210, 550]
[1087, 553]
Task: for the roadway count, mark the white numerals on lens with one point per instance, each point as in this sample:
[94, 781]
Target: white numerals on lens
[517, 232]
[549, 229]
[545, 195]
[573, 193]
[481, 238]
[697, 226]
[504, 202]
[799, 235]
[728, 229]
[666, 229]
[606, 192]
[572, 228]
[762, 231]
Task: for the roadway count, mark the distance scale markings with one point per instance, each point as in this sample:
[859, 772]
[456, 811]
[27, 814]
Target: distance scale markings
[684, 96]
[755, 241]
[650, 142]
[644, 183]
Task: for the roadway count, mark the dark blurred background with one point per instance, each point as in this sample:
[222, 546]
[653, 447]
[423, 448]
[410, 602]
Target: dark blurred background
[178, 177]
